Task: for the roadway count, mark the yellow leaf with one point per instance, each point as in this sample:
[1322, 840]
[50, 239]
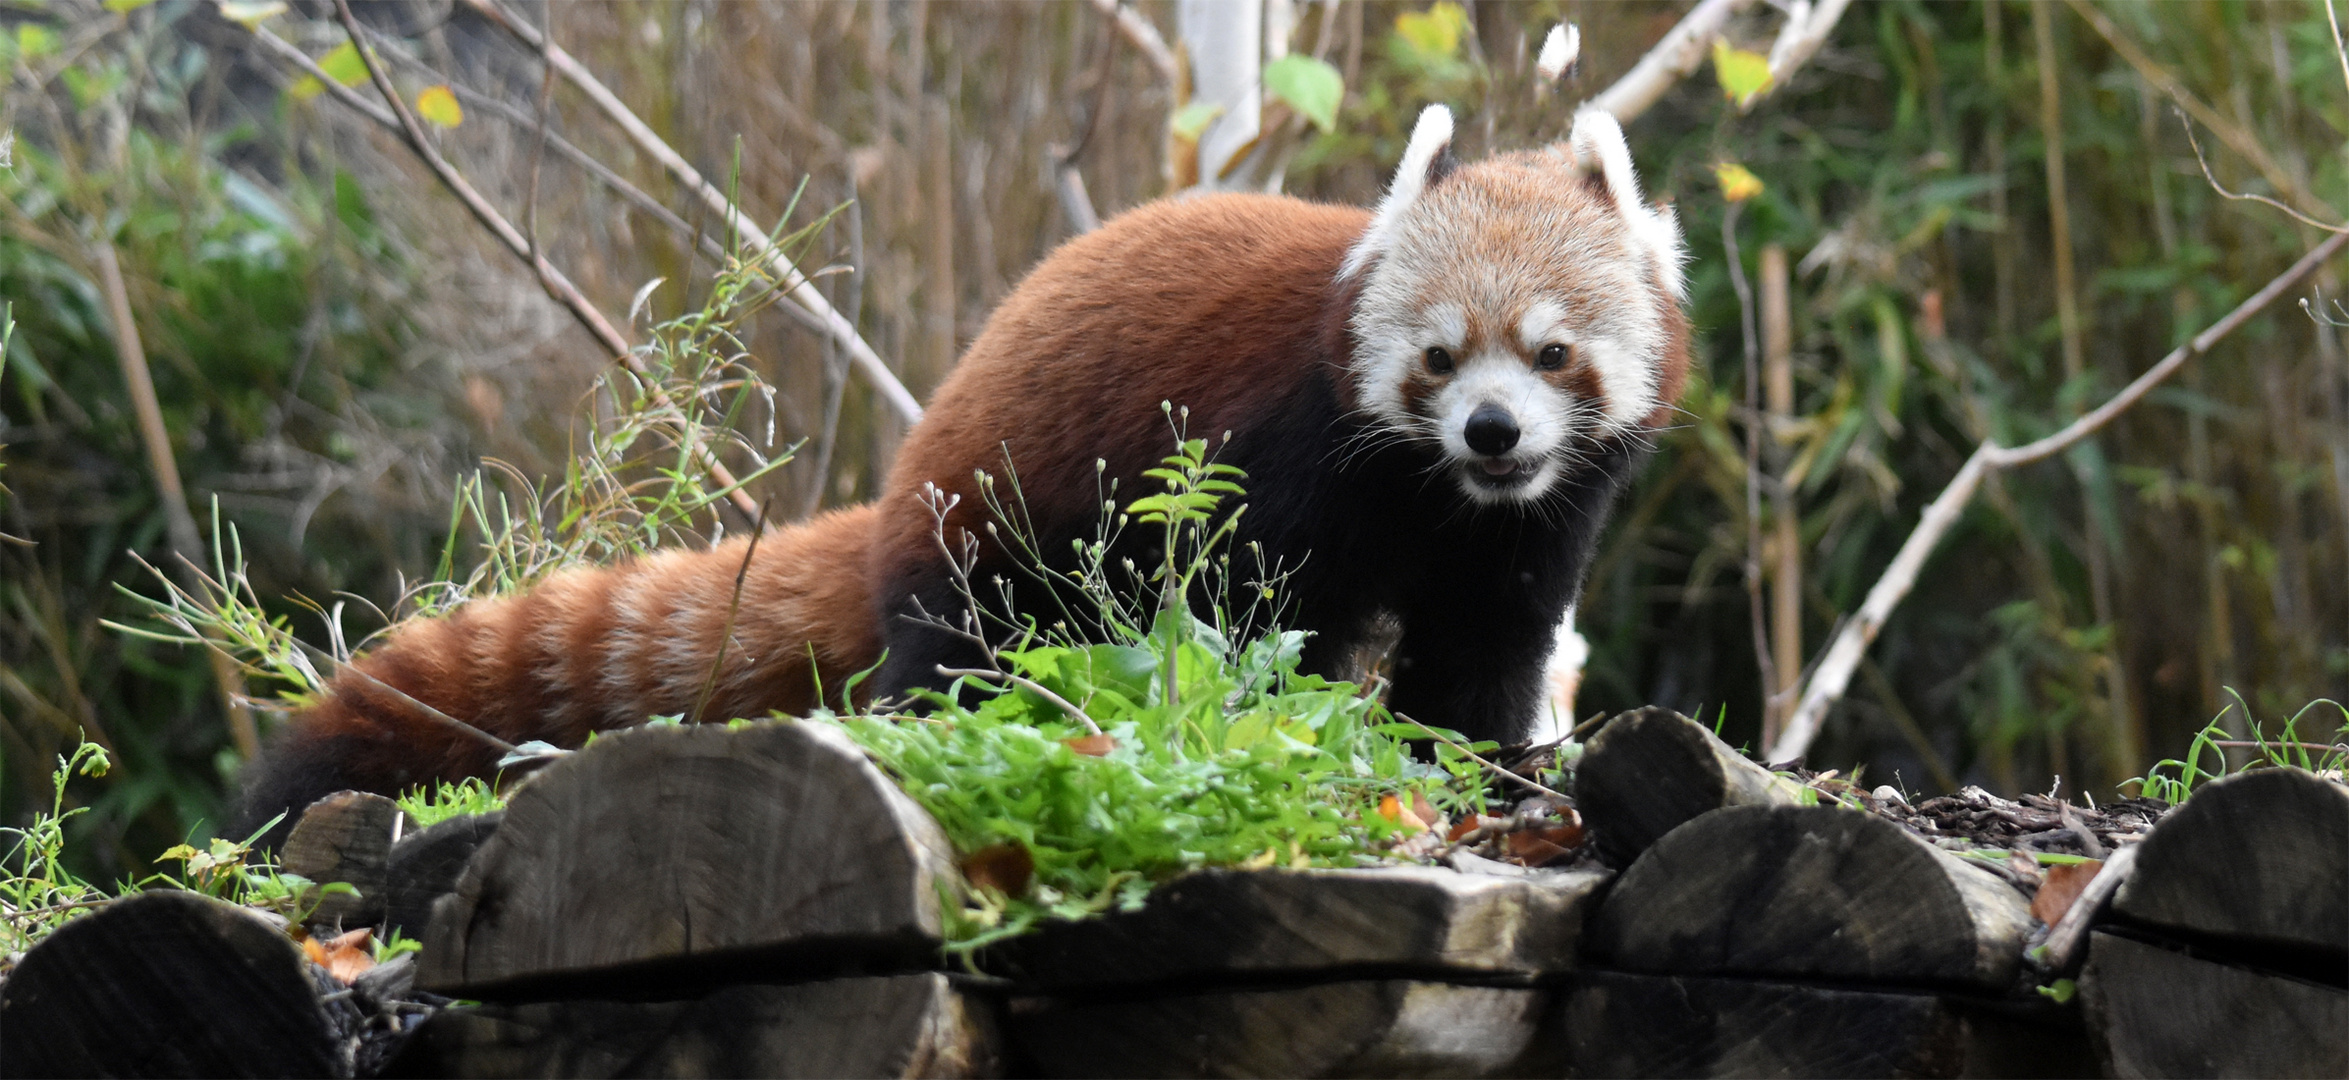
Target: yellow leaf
[343, 65]
[1436, 31]
[1737, 182]
[249, 13]
[1743, 74]
[437, 105]
[305, 88]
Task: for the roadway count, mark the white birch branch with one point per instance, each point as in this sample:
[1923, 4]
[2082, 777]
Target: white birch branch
[1842, 657]
[1139, 32]
[796, 285]
[1683, 49]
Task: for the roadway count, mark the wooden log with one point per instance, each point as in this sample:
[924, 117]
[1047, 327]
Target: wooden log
[1617, 1024]
[1218, 924]
[2153, 1011]
[346, 837]
[685, 856]
[166, 983]
[906, 1025]
[425, 866]
[1811, 892]
[2256, 864]
[1647, 771]
[1392, 1027]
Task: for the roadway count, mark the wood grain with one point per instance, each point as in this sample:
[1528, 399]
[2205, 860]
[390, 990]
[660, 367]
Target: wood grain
[1647, 771]
[1221, 924]
[346, 837]
[1618, 1024]
[1391, 1027]
[2157, 1012]
[166, 983]
[425, 866]
[1811, 892]
[898, 1026]
[2259, 858]
[693, 855]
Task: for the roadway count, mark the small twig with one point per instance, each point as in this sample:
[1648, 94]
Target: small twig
[1842, 656]
[1144, 37]
[557, 284]
[1039, 689]
[1481, 759]
[2245, 744]
[2243, 196]
[733, 608]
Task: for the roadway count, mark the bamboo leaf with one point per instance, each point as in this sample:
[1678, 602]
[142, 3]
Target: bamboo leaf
[1311, 86]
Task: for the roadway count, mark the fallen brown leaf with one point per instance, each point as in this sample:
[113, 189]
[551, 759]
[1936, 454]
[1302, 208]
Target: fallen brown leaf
[1393, 810]
[346, 957]
[1467, 825]
[1006, 867]
[1093, 745]
[2063, 886]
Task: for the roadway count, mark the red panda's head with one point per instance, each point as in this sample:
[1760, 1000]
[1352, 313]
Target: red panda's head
[1515, 311]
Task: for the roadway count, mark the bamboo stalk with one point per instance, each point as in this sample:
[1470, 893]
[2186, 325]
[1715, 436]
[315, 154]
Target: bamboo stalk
[1786, 576]
[187, 542]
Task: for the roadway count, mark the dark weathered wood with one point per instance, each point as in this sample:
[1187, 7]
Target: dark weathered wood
[907, 1025]
[2155, 1012]
[1649, 770]
[1618, 1024]
[1810, 892]
[166, 984]
[771, 847]
[1423, 921]
[2259, 858]
[425, 866]
[346, 837]
[1365, 1028]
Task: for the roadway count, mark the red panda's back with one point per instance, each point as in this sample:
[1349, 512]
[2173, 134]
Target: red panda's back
[1213, 303]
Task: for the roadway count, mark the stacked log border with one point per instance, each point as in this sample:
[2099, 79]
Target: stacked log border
[763, 900]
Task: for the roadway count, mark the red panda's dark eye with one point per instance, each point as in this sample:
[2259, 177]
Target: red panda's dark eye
[1438, 360]
[1552, 357]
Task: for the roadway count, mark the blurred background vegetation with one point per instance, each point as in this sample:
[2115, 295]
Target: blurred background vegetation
[336, 345]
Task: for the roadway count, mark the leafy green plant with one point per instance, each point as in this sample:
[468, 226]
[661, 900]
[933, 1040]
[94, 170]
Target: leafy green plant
[1105, 767]
[37, 893]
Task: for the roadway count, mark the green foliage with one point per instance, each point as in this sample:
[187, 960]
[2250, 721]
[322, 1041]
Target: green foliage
[37, 893]
[2291, 748]
[1117, 764]
[1309, 85]
[429, 806]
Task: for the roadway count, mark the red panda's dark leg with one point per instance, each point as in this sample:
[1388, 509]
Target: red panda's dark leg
[1473, 665]
[911, 608]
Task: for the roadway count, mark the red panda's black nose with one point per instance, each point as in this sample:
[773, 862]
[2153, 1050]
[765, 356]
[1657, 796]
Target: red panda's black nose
[1491, 430]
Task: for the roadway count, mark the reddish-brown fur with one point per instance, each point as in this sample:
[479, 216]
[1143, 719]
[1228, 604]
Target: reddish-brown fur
[1165, 282]
[589, 650]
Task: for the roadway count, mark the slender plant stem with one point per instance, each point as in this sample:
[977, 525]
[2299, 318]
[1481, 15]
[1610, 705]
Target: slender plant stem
[1038, 688]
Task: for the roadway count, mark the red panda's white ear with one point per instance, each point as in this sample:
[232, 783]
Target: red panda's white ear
[1426, 159]
[1559, 51]
[1598, 144]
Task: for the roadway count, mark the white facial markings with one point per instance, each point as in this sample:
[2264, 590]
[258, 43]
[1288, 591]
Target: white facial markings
[1544, 323]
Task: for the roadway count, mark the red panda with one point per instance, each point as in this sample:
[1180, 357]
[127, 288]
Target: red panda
[587, 650]
[1435, 404]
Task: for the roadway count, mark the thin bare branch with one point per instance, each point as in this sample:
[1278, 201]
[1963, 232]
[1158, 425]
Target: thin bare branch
[2244, 196]
[1681, 51]
[794, 283]
[1143, 36]
[1842, 657]
[558, 285]
[2237, 139]
[1806, 30]
[1039, 689]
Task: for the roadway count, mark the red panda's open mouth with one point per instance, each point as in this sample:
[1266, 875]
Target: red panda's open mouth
[1497, 467]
